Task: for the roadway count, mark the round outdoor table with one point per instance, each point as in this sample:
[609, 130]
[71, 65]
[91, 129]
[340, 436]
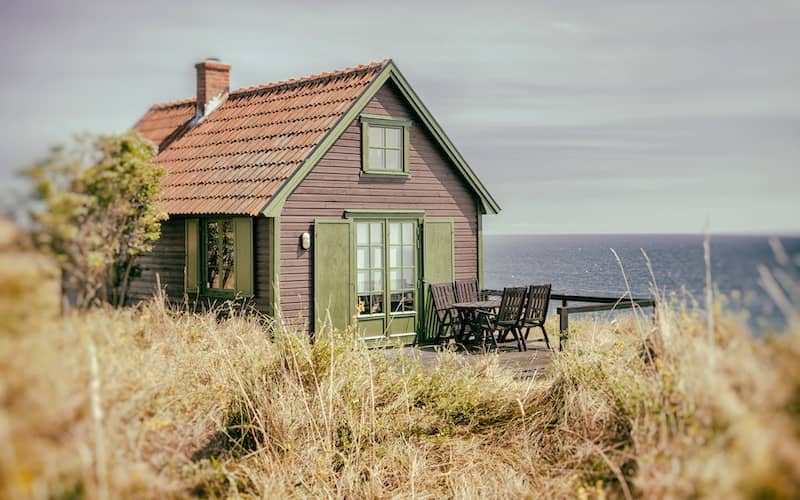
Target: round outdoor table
[466, 314]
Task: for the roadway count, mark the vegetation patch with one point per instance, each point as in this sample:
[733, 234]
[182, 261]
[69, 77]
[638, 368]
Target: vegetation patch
[153, 401]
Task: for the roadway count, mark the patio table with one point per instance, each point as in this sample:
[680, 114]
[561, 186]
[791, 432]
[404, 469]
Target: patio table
[466, 314]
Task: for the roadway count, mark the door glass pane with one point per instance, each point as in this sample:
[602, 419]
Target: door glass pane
[408, 233]
[376, 137]
[376, 232]
[408, 301]
[408, 277]
[394, 233]
[377, 281]
[362, 304]
[397, 302]
[393, 159]
[393, 138]
[375, 158]
[362, 257]
[377, 257]
[376, 304]
[362, 282]
[408, 256]
[395, 281]
[394, 256]
[362, 233]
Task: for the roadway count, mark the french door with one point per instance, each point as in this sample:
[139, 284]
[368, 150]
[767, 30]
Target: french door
[386, 277]
[371, 272]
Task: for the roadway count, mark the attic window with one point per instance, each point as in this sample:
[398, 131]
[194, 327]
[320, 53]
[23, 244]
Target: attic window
[384, 145]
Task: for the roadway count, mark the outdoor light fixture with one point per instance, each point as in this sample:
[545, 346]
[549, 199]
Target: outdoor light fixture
[305, 241]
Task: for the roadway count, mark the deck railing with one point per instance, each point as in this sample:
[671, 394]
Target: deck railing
[598, 303]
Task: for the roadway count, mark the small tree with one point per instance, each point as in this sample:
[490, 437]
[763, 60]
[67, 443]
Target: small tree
[97, 212]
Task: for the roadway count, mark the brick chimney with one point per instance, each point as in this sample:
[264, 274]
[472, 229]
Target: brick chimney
[213, 84]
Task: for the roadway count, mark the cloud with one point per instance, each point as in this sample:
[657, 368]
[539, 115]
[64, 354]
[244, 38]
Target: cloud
[601, 103]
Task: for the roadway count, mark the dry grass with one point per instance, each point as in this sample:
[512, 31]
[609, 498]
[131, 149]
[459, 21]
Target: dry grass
[184, 405]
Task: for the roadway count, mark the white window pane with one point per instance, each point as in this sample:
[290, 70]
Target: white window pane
[394, 233]
[362, 284]
[377, 257]
[363, 304]
[397, 302]
[376, 232]
[392, 159]
[408, 301]
[408, 233]
[377, 281]
[408, 278]
[362, 233]
[395, 281]
[376, 137]
[408, 256]
[376, 305]
[362, 257]
[376, 158]
[393, 139]
[394, 256]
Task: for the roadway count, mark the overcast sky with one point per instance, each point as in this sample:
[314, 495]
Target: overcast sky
[580, 117]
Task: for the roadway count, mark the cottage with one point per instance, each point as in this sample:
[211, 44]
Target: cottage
[330, 196]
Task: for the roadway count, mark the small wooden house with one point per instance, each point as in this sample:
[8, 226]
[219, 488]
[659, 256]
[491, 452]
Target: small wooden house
[329, 196]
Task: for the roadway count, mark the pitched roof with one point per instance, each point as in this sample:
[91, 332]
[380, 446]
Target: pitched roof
[247, 155]
[237, 158]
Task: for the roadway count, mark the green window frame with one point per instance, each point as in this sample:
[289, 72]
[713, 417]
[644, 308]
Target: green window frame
[386, 265]
[385, 145]
[219, 256]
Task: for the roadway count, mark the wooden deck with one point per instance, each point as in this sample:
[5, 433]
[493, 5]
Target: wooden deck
[524, 365]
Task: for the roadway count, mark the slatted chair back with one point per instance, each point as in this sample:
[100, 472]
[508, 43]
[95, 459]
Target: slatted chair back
[538, 303]
[511, 305]
[443, 299]
[467, 290]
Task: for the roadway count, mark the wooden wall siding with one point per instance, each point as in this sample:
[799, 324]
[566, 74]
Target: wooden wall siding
[167, 259]
[262, 261]
[334, 185]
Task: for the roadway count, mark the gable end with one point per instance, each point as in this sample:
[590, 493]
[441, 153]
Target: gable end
[487, 203]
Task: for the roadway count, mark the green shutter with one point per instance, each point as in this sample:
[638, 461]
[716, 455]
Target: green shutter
[437, 267]
[192, 265]
[243, 231]
[334, 292]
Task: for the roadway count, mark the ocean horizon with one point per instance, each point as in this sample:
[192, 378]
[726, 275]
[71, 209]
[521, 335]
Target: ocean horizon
[585, 264]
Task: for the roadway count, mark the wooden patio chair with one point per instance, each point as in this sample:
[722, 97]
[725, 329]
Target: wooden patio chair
[444, 297]
[507, 318]
[536, 310]
[467, 290]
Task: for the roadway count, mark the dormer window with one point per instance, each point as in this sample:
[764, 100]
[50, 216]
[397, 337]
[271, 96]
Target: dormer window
[385, 145]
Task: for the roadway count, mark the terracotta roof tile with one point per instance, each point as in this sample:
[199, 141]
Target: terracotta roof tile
[243, 152]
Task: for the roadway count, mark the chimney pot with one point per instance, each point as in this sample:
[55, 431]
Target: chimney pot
[213, 80]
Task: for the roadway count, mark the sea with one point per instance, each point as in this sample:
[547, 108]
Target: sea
[587, 264]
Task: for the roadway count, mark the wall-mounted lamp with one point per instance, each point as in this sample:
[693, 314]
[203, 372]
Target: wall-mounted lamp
[305, 241]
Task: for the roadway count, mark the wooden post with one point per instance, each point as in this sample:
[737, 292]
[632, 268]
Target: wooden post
[563, 327]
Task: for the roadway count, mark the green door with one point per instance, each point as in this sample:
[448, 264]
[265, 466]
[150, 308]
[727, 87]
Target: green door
[387, 279]
[437, 267]
[333, 286]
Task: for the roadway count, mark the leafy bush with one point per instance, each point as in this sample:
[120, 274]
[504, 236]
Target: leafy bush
[98, 212]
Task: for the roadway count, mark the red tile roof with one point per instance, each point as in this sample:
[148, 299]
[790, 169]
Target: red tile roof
[238, 157]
